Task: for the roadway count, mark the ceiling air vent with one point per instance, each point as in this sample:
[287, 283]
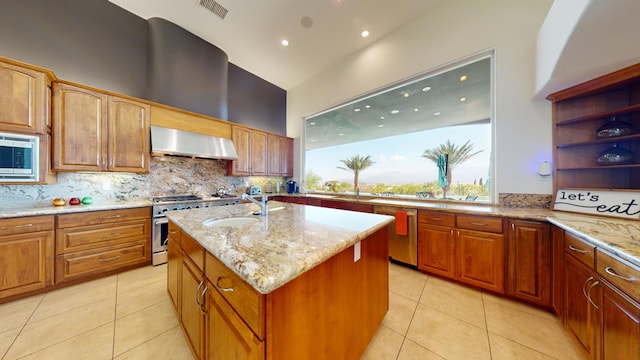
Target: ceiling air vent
[215, 8]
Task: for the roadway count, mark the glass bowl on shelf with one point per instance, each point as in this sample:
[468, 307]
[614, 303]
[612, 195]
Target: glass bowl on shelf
[615, 155]
[614, 128]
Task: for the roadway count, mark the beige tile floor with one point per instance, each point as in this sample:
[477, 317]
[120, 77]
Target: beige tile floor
[129, 316]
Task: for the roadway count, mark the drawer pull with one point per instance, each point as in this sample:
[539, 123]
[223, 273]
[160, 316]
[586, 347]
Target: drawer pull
[15, 226]
[109, 217]
[221, 288]
[435, 218]
[573, 248]
[110, 235]
[609, 270]
[478, 223]
[110, 259]
[173, 232]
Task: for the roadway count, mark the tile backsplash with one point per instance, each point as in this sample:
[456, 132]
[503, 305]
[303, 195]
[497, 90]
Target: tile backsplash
[168, 175]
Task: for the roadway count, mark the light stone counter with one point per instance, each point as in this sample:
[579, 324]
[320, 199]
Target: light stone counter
[287, 242]
[33, 209]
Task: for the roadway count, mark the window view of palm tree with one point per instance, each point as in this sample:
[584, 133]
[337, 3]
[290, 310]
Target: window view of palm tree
[405, 133]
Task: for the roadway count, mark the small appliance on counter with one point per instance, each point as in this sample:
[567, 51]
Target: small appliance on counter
[254, 190]
[292, 187]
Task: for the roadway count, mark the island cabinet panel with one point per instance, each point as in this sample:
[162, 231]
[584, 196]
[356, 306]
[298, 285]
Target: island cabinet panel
[26, 255]
[580, 286]
[95, 243]
[24, 98]
[330, 311]
[191, 316]
[529, 261]
[174, 265]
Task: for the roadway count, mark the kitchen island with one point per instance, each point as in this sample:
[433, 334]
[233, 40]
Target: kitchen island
[300, 282]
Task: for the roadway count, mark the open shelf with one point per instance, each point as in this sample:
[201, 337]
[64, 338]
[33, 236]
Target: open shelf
[602, 115]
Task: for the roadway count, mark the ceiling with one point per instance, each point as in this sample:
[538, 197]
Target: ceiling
[458, 95]
[251, 31]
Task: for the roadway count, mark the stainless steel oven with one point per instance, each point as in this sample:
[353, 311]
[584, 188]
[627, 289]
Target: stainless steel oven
[160, 223]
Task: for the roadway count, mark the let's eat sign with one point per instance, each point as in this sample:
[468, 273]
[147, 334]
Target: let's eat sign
[621, 204]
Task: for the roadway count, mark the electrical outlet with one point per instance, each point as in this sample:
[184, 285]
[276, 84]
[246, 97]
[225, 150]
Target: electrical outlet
[356, 252]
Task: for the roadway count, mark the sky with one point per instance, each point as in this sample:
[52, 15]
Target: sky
[398, 159]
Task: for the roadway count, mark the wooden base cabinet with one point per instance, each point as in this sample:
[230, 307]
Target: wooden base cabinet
[26, 255]
[529, 261]
[174, 264]
[436, 243]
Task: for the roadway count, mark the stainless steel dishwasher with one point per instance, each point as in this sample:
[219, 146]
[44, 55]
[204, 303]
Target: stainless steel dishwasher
[402, 248]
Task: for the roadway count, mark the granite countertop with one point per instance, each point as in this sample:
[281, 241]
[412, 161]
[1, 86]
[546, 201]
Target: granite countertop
[24, 208]
[290, 240]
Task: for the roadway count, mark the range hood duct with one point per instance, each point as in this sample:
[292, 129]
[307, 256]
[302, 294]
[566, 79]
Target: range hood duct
[166, 141]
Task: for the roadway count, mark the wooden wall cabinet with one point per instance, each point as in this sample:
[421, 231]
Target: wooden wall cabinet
[26, 254]
[279, 155]
[578, 112]
[90, 244]
[24, 97]
[95, 131]
[529, 261]
[251, 146]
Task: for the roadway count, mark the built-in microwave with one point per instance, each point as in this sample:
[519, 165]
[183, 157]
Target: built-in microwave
[19, 158]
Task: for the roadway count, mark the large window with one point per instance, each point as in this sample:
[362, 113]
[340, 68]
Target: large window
[429, 137]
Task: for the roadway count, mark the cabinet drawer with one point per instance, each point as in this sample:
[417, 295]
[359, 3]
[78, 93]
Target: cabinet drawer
[437, 218]
[95, 236]
[23, 225]
[480, 223]
[620, 273]
[193, 250]
[245, 300]
[92, 262]
[579, 249]
[102, 217]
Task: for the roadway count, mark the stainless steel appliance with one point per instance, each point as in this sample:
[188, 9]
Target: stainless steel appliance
[160, 223]
[402, 248]
[19, 157]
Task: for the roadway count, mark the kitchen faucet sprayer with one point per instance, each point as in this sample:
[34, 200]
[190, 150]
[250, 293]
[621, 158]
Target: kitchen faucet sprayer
[262, 204]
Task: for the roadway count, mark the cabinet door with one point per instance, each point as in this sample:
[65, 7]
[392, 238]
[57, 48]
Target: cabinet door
[287, 157]
[79, 129]
[174, 265]
[436, 250]
[258, 153]
[620, 327]
[23, 100]
[480, 259]
[579, 314]
[228, 337]
[529, 262]
[191, 316]
[129, 144]
[242, 142]
[557, 270]
[26, 262]
[274, 144]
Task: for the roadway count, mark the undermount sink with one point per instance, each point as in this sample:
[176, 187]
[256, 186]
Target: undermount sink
[236, 221]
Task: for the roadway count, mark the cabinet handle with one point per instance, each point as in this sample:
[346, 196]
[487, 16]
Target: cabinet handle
[225, 289]
[173, 232]
[584, 284]
[109, 217]
[595, 283]
[451, 232]
[478, 224]
[609, 270]
[110, 235]
[110, 259]
[513, 227]
[203, 308]
[198, 293]
[435, 218]
[15, 226]
[573, 248]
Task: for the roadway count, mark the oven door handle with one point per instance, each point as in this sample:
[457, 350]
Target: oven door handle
[162, 221]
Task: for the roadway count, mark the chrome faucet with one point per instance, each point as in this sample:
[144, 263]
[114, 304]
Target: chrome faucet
[262, 204]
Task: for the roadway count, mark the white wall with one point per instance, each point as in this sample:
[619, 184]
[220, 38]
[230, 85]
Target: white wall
[455, 29]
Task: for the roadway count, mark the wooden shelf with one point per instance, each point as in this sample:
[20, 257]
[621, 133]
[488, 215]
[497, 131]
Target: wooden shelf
[601, 115]
[610, 140]
[602, 167]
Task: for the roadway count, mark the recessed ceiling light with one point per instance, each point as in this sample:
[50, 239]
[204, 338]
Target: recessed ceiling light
[463, 77]
[380, 125]
[436, 113]
[312, 123]
[405, 94]
[364, 33]
[341, 134]
[368, 106]
[416, 110]
[381, 117]
[395, 111]
[426, 88]
[356, 109]
[284, 42]
[463, 99]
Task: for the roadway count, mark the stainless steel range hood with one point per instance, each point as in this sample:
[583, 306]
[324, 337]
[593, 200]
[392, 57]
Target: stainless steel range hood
[166, 141]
